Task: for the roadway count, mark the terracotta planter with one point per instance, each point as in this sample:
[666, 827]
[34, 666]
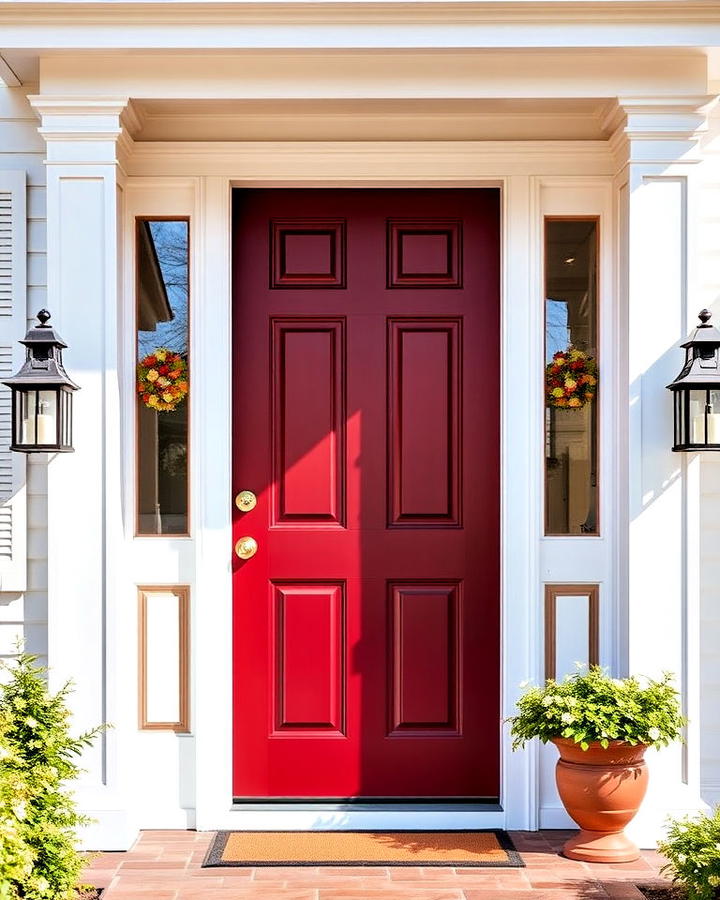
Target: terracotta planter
[601, 790]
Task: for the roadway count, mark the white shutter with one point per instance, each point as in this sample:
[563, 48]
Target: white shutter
[13, 318]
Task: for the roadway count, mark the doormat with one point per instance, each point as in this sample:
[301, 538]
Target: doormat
[362, 848]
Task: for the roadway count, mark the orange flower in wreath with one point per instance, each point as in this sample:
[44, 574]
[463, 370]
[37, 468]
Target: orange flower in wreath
[571, 379]
[162, 380]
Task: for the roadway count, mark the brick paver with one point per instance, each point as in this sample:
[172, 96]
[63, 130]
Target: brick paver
[165, 865]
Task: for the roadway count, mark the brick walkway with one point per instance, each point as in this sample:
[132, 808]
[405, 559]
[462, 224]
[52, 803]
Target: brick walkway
[165, 865]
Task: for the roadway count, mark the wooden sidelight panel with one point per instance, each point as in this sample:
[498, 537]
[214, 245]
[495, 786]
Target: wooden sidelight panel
[310, 658]
[572, 627]
[424, 426]
[164, 658]
[424, 656]
[308, 401]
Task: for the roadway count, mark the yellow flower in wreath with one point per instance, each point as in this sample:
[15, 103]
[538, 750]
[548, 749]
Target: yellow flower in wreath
[153, 375]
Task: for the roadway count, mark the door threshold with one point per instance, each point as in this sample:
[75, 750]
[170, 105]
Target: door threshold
[352, 806]
[359, 817]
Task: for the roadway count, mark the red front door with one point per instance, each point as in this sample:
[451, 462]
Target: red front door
[366, 421]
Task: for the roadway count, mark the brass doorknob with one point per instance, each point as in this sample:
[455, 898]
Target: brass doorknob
[245, 501]
[246, 547]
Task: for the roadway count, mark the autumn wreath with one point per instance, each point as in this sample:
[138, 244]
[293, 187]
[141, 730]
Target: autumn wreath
[571, 379]
[162, 380]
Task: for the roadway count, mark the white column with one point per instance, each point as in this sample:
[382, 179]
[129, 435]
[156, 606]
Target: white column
[656, 145]
[521, 488]
[84, 488]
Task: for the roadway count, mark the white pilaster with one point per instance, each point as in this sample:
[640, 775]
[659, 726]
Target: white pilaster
[656, 147]
[85, 139]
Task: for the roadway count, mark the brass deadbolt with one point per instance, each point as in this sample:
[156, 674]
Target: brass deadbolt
[245, 501]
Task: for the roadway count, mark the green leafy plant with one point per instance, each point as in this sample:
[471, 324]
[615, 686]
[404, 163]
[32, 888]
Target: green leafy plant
[692, 847]
[39, 760]
[589, 706]
[16, 855]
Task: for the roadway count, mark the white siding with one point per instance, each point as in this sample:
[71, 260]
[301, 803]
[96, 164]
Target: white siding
[24, 616]
[709, 296]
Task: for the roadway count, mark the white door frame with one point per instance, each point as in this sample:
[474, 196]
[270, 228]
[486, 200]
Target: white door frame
[206, 555]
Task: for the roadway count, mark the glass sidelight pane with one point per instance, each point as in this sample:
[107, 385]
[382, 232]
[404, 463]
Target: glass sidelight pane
[162, 376]
[571, 377]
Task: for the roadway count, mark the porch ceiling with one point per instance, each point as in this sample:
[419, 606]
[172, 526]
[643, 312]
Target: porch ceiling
[373, 120]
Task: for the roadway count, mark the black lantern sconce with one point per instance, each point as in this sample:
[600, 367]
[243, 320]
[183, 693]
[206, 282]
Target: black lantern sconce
[696, 390]
[42, 394]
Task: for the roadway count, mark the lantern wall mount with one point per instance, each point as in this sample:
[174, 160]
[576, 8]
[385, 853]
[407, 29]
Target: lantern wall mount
[696, 391]
[42, 394]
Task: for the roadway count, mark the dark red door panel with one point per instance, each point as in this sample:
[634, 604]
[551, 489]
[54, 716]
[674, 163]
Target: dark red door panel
[366, 421]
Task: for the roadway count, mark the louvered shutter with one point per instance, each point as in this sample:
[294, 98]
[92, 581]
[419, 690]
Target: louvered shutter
[13, 318]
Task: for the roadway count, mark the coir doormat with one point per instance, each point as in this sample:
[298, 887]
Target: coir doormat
[362, 848]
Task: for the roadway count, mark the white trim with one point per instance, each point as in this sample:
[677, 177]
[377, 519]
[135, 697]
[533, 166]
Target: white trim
[310, 163]
[212, 588]
[459, 12]
[522, 331]
[520, 485]
[595, 24]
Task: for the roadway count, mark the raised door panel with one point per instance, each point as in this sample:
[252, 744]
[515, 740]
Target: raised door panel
[308, 399]
[424, 253]
[309, 626]
[424, 427]
[307, 253]
[425, 658]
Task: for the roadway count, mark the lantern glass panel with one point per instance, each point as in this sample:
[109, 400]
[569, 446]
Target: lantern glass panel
[680, 428]
[713, 426]
[47, 418]
[28, 405]
[66, 437]
[705, 417]
[696, 416]
[38, 417]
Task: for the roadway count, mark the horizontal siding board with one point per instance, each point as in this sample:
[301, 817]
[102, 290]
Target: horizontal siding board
[21, 137]
[36, 202]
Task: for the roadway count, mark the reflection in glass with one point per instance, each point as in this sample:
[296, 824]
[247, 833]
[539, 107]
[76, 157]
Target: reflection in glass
[571, 377]
[162, 376]
[704, 416]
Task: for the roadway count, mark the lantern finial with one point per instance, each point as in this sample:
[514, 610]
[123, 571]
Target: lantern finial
[44, 316]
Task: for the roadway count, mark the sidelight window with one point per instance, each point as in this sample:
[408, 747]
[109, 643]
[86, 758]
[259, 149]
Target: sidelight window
[162, 377]
[572, 378]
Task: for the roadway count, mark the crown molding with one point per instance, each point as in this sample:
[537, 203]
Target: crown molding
[194, 12]
[362, 161]
[74, 121]
[66, 105]
[676, 121]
